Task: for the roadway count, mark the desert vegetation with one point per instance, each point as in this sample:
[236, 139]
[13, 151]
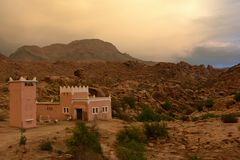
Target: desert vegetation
[131, 141]
[46, 145]
[237, 96]
[229, 118]
[209, 103]
[84, 142]
[156, 130]
[23, 138]
[131, 144]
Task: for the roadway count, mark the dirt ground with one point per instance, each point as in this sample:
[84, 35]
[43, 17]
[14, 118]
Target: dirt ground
[210, 139]
[9, 139]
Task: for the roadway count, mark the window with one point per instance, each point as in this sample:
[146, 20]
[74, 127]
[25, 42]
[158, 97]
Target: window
[95, 110]
[65, 110]
[28, 84]
[105, 109]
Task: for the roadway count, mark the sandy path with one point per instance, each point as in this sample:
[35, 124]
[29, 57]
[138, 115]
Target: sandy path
[10, 136]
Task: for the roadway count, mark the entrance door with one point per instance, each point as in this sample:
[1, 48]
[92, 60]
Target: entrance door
[79, 114]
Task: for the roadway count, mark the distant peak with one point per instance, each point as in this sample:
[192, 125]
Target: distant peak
[75, 42]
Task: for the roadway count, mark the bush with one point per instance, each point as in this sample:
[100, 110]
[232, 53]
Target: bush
[129, 100]
[237, 97]
[204, 116]
[118, 112]
[131, 133]
[167, 105]
[200, 105]
[194, 157]
[156, 130]
[23, 138]
[207, 116]
[46, 145]
[84, 142]
[148, 115]
[131, 144]
[131, 150]
[78, 73]
[194, 119]
[229, 118]
[209, 103]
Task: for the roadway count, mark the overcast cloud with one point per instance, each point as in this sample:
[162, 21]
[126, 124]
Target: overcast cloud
[156, 30]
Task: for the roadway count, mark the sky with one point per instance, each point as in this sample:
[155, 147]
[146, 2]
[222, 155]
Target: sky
[196, 31]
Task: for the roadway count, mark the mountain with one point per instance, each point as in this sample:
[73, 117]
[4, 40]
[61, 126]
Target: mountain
[229, 80]
[2, 57]
[79, 50]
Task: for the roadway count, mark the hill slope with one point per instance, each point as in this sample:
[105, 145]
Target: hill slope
[88, 49]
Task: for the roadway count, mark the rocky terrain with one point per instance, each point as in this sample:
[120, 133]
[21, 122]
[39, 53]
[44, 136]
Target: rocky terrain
[187, 87]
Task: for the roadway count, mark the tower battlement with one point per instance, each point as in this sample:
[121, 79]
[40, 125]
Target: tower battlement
[23, 79]
[74, 89]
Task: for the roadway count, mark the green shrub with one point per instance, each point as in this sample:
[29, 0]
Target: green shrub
[237, 97]
[207, 116]
[23, 138]
[118, 110]
[172, 115]
[156, 130]
[200, 105]
[167, 105]
[131, 133]
[84, 140]
[148, 115]
[194, 119]
[131, 144]
[46, 145]
[129, 100]
[131, 150]
[209, 103]
[194, 157]
[204, 116]
[229, 118]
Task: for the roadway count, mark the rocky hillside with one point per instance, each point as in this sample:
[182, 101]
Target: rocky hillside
[79, 50]
[182, 84]
[229, 81]
[179, 82]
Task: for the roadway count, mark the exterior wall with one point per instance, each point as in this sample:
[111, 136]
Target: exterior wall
[25, 111]
[29, 107]
[15, 101]
[80, 95]
[82, 104]
[54, 111]
[22, 104]
[100, 104]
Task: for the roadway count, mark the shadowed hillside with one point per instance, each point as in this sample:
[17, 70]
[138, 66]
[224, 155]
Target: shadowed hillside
[79, 50]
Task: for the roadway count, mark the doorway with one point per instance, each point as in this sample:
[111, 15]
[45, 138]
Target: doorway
[79, 114]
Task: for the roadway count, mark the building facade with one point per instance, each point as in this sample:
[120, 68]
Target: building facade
[75, 103]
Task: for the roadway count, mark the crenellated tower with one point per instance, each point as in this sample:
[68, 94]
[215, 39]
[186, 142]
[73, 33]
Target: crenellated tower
[22, 102]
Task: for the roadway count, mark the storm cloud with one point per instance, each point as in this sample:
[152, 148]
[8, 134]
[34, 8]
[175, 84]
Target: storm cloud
[156, 30]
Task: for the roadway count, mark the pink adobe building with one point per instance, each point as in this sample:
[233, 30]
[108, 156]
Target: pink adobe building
[75, 103]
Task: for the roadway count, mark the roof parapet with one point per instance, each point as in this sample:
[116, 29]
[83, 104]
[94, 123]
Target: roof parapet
[73, 89]
[22, 79]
